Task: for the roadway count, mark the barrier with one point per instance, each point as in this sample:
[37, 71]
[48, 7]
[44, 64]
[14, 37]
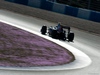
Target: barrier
[84, 13]
[61, 8]
[47, 5]
[24, 2]
[95, 16]
[34, 3]
[72, 11]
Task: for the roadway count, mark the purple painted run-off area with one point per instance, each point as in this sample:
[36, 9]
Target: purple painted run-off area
[19, 48]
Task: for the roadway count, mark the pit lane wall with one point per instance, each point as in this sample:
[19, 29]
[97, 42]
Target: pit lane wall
[61, 8]
[87, 25]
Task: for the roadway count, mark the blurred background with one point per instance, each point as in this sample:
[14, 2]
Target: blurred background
[87, 4]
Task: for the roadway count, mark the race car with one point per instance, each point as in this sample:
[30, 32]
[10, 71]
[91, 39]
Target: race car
[53, 32]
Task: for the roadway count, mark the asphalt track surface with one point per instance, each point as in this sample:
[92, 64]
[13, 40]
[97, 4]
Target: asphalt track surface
[84, 41]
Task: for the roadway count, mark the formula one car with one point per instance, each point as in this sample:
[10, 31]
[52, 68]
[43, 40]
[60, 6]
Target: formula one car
[53, 32]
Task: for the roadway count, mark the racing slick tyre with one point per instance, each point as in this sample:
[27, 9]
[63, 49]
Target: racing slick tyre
[70, 37]
[43, 30]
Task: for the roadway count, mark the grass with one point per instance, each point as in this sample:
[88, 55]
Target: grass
[20, 48]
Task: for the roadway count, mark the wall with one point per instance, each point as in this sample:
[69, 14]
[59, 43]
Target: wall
[61, 8]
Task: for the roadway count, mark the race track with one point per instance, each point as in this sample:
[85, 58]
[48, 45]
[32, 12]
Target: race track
[84, 41]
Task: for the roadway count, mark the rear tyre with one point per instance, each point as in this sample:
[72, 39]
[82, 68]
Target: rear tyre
[43, 30]
[70, 37]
